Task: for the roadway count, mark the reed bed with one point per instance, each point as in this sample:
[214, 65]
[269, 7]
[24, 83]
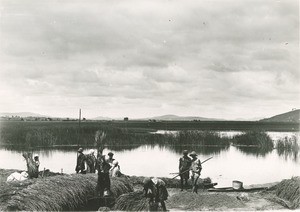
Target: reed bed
[254, 138]
[133, 201]
[289, 190]
[57, 193]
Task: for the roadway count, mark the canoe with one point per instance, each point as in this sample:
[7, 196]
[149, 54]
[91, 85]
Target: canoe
[230, 189]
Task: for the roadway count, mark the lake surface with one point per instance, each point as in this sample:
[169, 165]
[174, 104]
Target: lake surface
[234, 163]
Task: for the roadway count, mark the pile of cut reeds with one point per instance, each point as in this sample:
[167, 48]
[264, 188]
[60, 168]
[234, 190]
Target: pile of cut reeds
[133, 201]
[57, 193]
[289, 190]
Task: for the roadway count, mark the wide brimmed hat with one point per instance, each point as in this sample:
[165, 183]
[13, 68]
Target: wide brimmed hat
[110, 153]
[193, 153]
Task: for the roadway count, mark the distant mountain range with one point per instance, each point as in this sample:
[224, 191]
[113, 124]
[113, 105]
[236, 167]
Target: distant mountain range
[292, 116]
[22, 114]
[182, 118]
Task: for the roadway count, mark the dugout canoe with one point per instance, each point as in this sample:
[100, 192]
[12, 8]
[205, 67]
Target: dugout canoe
[231, 189]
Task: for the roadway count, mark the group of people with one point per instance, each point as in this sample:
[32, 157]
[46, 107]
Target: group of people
[154, 188]
[189, 164]
[87, 163]
[106, 167]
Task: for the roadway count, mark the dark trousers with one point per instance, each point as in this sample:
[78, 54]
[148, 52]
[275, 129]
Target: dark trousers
[103, 183]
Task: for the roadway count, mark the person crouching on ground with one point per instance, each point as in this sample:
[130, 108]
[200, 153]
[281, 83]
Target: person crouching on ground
[196, 170]
[184, 167]
[115, 169]
[155, 189]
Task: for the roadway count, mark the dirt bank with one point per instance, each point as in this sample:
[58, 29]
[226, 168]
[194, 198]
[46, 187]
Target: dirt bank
[204, 200]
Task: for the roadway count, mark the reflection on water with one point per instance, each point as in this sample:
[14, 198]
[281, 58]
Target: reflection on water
[228, 163]
[253, 150]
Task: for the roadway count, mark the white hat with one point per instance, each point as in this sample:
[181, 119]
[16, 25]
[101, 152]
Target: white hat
[91, 151]
[36, 155]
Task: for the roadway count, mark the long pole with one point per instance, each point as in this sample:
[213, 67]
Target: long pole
[78, 134]
[189, 169]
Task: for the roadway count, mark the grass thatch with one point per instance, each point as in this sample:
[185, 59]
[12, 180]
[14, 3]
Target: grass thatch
[133, 201]
[57, 193]
[289, 190]
[203, 201]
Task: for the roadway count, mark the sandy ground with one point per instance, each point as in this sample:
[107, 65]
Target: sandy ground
[256, 201]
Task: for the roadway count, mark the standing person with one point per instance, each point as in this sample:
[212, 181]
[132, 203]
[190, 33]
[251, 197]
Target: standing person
[37, 165]
[80, 166]
[103, 183]
[156, 190]
[91, 161]
[196, 170]
[110, 159]
[184, 165]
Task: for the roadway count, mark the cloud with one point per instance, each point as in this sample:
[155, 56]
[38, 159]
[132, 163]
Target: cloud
[204, 58]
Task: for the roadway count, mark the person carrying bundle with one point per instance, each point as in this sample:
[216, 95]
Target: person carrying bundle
[184, 166]
[196, 170]
[91, 161]
[155, 189]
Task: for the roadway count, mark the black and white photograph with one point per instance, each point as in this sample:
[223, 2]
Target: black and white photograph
[149, 105]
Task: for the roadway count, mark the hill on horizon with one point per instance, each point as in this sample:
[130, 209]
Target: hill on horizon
[22, 114]
[171, 117]
[291, 116]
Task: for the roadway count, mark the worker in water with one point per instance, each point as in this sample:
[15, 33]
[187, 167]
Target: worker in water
[155, 189]
[103, 184]
[91, 161]
[184, 167]
[115, 169]
[36, 164]
[81, 162]
[196, 170]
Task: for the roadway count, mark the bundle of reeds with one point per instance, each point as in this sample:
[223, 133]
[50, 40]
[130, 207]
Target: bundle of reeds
[289, 190]
[133, 201]
[57, 193]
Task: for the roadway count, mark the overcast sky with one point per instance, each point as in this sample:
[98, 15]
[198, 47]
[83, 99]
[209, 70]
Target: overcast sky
[211, 58]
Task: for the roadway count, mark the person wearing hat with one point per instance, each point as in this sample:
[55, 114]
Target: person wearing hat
[195, 169]
[37, 165]
[184, 165]
[155, 189]
[80, 166]
[110, 159]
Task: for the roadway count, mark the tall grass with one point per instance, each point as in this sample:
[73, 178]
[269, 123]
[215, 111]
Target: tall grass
[288, 147]
[49, 134]
[254, 138]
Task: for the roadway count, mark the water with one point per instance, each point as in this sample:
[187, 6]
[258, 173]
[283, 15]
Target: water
[228, 164]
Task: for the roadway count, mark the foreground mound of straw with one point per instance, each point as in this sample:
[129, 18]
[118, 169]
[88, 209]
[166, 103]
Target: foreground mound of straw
[57, 193]
[133, 201]
[289, 190]
[203, 201]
